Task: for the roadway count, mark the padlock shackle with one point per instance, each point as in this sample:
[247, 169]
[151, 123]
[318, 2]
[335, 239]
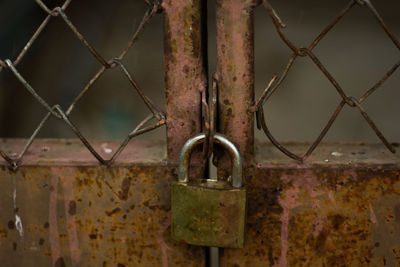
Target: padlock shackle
[184, 159]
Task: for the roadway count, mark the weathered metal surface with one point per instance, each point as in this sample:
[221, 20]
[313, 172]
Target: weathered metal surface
[341, 207]
[185, 74]
[61, 208]
[235, 73]
[208, 213]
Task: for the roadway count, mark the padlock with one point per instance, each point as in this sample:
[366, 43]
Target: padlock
[208, 212]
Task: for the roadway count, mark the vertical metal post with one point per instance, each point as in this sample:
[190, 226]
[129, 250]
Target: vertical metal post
[185, 71]
[235, 73]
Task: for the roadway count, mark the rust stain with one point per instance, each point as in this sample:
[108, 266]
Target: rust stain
[3, 233]
[77, 199]
[160, 239]
[113, 211]
[11, 225]
[309, 183]
[288, 202]
[318, 225]
[53, 222]
[235, 73]
[320, 216]
[68, 177]
[72, 208]
[332, 198]
[372, 215]
[59, 263]
[312, 214]
[185, 73]
[124, 193]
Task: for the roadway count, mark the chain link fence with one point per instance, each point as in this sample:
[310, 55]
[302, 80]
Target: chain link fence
[154, 120]
[299, 52]
[157, 118]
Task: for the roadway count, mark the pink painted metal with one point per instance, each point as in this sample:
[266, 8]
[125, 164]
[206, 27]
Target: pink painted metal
[235, 73]
[185, 74]
[339, 208]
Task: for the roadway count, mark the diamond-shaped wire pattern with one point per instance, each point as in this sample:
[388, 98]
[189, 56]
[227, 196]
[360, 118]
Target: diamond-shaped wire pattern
[157, 114]
[57, 111]
[308, 52]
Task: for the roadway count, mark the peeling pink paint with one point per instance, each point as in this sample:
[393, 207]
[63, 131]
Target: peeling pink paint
[372, 215]
[54, 239]
[315, 203]
[338, 187]
[68, 186]
[352, 174]
[67, 177]
[309, 183]
[320, 219]
[331, 196]
[288, 202]
[160, 239]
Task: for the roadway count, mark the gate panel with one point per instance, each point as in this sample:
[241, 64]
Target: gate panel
[74, 212]
[322, 213]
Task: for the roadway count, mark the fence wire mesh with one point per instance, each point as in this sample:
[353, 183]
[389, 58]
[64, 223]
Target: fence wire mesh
[351, 101]
[157, 116]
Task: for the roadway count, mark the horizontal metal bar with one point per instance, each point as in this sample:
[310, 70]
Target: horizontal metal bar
[71, 152]
[340, 205]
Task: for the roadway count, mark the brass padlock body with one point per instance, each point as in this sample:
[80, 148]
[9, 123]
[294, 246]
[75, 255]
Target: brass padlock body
[208, 213]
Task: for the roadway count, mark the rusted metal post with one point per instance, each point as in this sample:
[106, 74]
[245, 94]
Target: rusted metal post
[235, 72]
[185, 75]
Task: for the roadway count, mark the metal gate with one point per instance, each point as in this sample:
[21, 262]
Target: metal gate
[76, 202]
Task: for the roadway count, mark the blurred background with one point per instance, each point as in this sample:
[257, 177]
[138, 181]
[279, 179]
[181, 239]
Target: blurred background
[357, 52]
